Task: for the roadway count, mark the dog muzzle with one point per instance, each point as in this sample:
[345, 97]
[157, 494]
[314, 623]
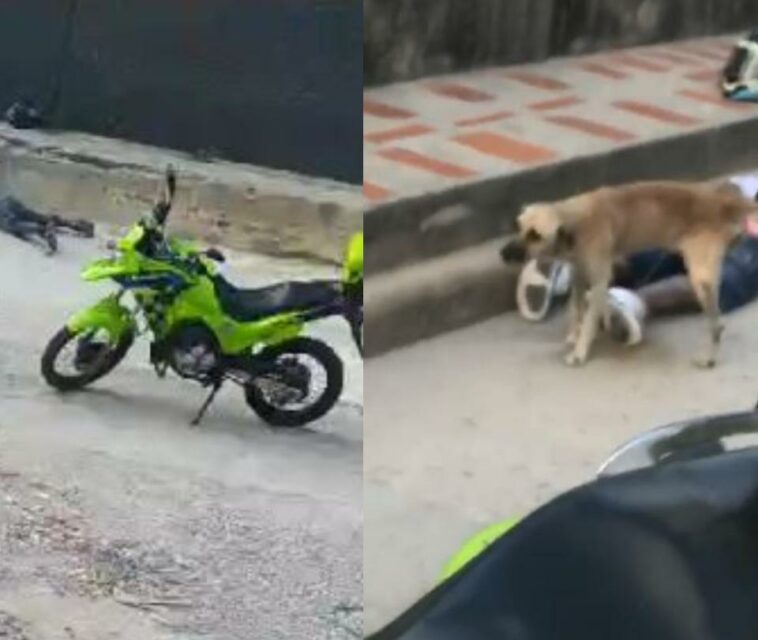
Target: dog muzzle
[514, 252]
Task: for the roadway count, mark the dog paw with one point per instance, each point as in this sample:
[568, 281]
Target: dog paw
[574, 359]
[704, 362]
[571, 339]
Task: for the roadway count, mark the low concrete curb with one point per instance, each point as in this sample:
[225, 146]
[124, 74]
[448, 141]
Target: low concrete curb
[429, 257]
[239, 206]
[412, 229]
[407, 305]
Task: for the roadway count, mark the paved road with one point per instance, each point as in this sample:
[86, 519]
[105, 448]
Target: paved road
[260, 531]
[487, 422]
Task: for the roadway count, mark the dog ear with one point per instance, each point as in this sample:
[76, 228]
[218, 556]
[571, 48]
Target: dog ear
[564, 239]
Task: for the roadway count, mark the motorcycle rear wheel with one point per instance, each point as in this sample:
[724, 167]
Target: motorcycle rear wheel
[281, 414]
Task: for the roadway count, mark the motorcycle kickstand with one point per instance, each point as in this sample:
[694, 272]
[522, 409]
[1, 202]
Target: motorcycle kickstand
[211, 397]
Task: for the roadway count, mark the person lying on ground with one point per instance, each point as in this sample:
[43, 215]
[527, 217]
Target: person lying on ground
[651, 284]
[31, 226]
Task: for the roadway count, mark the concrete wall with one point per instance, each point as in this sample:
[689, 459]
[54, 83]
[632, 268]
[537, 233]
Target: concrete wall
[220, 203]
[268, 82]
[404, 39]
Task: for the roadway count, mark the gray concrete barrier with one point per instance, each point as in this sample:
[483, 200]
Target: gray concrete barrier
[239, 206]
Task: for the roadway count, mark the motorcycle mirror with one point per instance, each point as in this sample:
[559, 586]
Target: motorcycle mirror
[170, 182]
[162, 208]
[699, 437]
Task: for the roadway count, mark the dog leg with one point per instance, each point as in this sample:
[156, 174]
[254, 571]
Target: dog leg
[577, 307]
[708, 295]
[704, 261]
[597, 300]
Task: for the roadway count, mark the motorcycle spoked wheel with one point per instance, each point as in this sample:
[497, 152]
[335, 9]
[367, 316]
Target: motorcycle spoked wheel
[305, 383]
[93, 358]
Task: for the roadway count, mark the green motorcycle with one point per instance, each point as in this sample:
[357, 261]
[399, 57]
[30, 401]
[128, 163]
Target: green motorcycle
[205, 329]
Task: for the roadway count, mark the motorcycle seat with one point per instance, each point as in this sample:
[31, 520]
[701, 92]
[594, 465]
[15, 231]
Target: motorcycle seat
[248, 305]
[665, 553]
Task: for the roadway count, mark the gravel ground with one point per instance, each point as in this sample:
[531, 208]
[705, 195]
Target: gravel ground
[119, 521]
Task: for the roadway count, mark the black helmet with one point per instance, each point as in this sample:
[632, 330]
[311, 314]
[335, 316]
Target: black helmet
[24, 115]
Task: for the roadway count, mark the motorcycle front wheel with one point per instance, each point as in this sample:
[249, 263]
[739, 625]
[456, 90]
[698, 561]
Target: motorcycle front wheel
[92, 357]
[304, 381]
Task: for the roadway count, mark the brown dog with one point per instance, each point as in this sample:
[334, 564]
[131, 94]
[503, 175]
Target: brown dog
[594, 230]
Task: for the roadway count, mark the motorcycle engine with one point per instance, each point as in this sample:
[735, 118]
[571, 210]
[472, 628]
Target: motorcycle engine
[193, 353]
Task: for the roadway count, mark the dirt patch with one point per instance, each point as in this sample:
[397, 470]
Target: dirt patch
[50, 540]
[227, 567]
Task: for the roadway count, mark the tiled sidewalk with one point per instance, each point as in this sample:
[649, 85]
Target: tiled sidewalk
[432, 134]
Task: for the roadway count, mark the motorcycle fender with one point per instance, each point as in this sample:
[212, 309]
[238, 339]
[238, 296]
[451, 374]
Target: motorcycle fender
[475, 546]
[108, 314]
[110, 268]
[352, 267]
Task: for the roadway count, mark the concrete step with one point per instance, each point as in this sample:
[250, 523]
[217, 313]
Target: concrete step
[448, 163]
[415, 229]
[466, 152]
[442, 286]
[422, 300]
